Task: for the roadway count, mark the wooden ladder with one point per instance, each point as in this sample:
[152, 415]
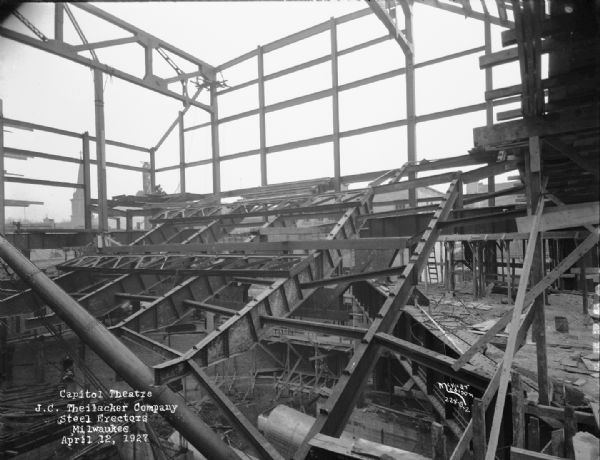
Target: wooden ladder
[432, 269]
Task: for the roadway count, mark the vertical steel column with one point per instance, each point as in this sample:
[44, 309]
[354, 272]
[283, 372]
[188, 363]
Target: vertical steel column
[100, 152]
[148, 72]
[335, 103]
[214, 135]
[58, 21]
[261, 117]
[181, 154]
[120, 358]
[411, 126]
[152, 153]
[489, 108]
[2, 191]
[87, 187]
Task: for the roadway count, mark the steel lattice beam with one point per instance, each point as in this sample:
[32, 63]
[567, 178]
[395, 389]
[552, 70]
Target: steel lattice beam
[337, 410]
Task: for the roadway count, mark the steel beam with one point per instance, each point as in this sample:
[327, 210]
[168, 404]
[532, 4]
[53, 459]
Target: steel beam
[2, 179]
[432, 360]
[87, 182]
[355, 333]
[240, 331]
[272, 246]
[65, 51]
[116, 355]
[391, 271]
[261, 117]
[214, 136]
[335, 105]
[171, 306]
[291, 212]
[339, 406]
[181, 154]
[146, 38]
[100, 152]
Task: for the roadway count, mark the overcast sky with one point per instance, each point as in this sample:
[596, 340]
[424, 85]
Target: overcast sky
[42, 88]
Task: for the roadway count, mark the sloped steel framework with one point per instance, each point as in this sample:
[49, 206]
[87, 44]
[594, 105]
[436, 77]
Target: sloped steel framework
[193, 252]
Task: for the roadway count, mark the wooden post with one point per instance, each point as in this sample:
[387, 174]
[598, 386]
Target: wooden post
[558, 443]
[181, 153]
[511, 344]
[478, 417]
[570, 431]
[445, 277]
[451, 272]
[214, 132]
[87, 187]
[489, 108]
[509, 274]
[475, 263]
[533, 171]
[438, 441]
[100, 152]
[261, 117]
[335, 104]
[518, 414]
[2, 190]
[583, 283]
[533, 434]
[390, 381]
[482, 268]
[559, 254]
[501, 246]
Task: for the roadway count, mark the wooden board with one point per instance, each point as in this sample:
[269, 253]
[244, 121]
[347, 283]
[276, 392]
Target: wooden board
[566, 216]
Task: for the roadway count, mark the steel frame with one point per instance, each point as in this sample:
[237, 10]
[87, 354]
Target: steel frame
[150, 42]
[300, 276]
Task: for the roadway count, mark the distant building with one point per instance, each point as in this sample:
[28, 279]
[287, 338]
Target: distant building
[482, 187]
[77, 207]
[398, 199]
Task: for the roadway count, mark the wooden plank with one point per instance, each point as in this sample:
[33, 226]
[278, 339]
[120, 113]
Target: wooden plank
[566, 216]
[518, 414]
[523, 129]
[512, 339]
[478, 428]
